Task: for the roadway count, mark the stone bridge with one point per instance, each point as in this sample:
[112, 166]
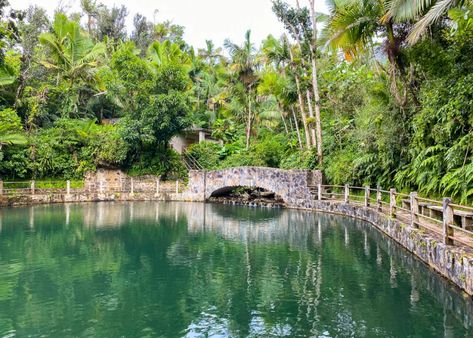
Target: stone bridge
[291, 185]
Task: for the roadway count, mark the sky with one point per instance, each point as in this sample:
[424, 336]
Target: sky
[203, 19]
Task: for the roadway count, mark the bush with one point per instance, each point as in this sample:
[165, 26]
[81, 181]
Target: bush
[242, 159]
[163, 162]
[270, 150]
[301, 159]
[207, 154]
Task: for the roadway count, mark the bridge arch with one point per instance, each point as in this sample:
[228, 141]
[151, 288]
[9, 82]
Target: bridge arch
[225, 190]
[291, 185]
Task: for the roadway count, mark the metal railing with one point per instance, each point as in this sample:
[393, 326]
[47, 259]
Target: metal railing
[190, 161]
[39, 187]
[452, 222]
[160, 187]
[28, 188]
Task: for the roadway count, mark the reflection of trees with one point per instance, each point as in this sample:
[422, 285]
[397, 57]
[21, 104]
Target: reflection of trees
[173, 269]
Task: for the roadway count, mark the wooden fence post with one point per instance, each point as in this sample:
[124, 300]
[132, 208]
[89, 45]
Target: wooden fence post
[414, 210]
[32, 187]
[367, 196]
[1, 187]
[68, 187]
[447, 220]
[177, 187]
[319, 192]
[392, 202]
[379, 198]
[347, 193]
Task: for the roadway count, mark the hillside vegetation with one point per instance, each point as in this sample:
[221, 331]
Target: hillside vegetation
[373, 92]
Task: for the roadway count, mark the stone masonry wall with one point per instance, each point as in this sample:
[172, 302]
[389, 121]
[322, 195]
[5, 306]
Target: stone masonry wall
[109, 180]
[452, 262]
[104, 180]
[290, 185]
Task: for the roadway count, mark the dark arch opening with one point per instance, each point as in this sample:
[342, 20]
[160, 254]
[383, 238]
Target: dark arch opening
[252, 196]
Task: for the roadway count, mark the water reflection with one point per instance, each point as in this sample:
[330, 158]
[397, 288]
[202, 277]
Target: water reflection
[191, 269]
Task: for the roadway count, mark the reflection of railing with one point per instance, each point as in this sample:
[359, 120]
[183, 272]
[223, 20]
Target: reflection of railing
[452, 222]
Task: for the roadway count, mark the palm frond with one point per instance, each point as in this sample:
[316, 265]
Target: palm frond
[6, 76]
[401, 10]
[12, 139]
[435, 12]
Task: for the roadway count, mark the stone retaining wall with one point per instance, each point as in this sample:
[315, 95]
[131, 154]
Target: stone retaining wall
[109, 180]
[452, 262]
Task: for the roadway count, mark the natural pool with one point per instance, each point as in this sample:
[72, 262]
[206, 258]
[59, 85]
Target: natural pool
[146, 269]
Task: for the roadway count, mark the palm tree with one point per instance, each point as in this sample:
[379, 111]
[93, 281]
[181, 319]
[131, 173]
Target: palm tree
[301, 23]
[210, 54]
[244, 66]
[73, 57]
[354, 24]
[71, 53]
[276, 80]
[166, 53]
[91, 9]
[315, 82]
[281, 54]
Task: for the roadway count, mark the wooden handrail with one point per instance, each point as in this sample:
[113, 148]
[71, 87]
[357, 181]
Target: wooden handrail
[414, 214]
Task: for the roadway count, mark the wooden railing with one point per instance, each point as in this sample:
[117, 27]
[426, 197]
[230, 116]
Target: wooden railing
[452, 222]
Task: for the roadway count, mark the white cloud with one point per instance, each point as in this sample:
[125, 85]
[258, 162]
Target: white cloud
[203, 19]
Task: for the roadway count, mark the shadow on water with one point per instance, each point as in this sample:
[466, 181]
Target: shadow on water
[194, 269]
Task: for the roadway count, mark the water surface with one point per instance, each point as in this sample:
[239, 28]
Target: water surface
[198, 270]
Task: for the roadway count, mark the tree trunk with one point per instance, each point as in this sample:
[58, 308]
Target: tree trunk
[284, 122]
[297, 127]
[303, 115]
[282, 117]
[311, 114]
[318, 120]
[301, 101]
[248, 126]
[309, 103]
[315, 85]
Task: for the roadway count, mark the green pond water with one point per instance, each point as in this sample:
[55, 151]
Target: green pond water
[199, 270]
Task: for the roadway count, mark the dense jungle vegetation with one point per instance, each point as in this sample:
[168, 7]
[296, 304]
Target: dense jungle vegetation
[374, 92]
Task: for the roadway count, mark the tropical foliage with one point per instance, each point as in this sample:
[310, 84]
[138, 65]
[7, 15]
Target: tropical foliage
[372, 92]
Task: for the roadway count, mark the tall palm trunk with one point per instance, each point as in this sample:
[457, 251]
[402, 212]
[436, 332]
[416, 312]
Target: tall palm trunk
[303, 114]
[315, 84]
[318, 120]
[248, 125]
[309, 102]
[311, 114]
[300, 99]
[297, 127]
[280, 106]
